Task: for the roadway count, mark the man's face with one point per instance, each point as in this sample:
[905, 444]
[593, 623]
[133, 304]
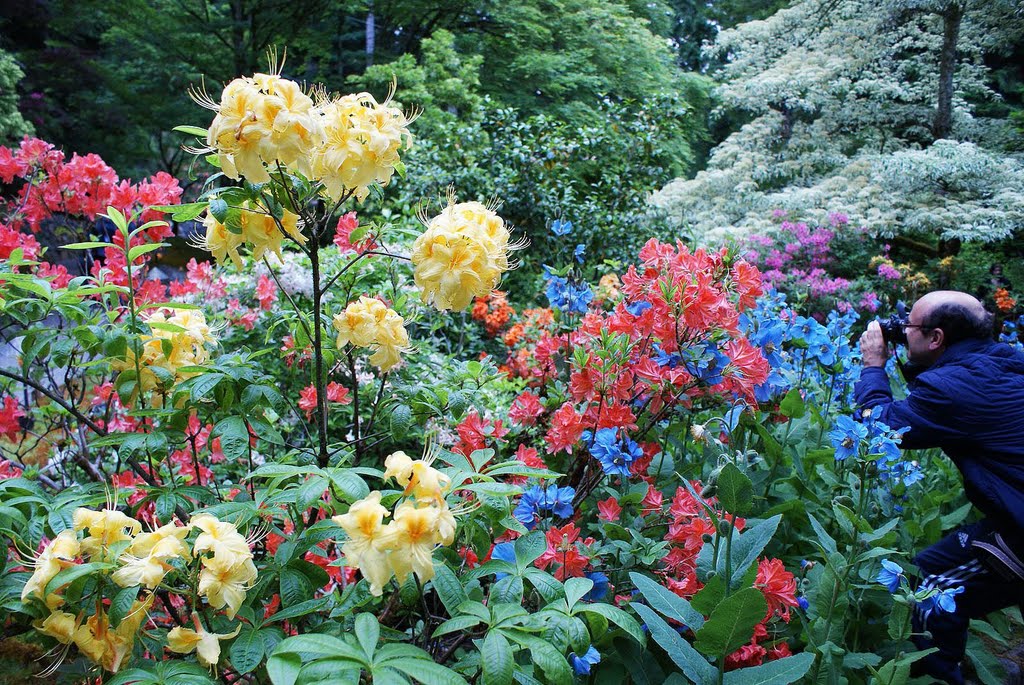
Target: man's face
[919, 340]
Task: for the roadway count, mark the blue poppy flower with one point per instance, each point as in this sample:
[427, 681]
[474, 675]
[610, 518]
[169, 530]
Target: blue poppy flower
[579, 252]
[505, 551]
[616, 457]
[560, 228]
[847, 436]
[583, 664]
[600, 588]
[639, 307]
[526, 511]
[559, 500]
[890, 575]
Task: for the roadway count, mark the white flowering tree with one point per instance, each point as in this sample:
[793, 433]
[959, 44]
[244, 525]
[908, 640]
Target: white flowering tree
[850, 109]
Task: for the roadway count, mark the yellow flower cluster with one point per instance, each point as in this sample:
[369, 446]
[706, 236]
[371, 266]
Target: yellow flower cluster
[406, 544]
[256, 228]
[368, 322]
[175, 341]
[206, 645]
[230, 571]
[347, 143]
[142, 561]
[461, 255]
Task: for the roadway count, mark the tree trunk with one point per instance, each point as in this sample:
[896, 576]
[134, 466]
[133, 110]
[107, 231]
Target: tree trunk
[951, 20]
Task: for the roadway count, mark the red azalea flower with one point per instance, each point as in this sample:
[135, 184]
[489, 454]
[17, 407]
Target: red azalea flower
[566, 429]
[526, 408]
[10, 414]
[778, 586]
[609, 509]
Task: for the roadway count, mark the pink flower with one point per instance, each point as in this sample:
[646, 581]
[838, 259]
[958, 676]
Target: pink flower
[266, 292]
[342, 236]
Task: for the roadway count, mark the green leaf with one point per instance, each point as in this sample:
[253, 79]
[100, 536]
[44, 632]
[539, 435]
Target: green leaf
[425, 671]
[735, 491]
[667, 602]
[246, 652]
[368, 633]
[709, 596]
[459, 623]
[90, 245]
[122, 605]
[449, 588]
[295, 587]
[617, 616]
[827, 542]
[778, 672]
[793, 404]
[508, 590]
[192, 131]
[140, 250]
[496, 659]
[69, 575]
[234, 438]
[732, 624]
[987, 667]
[576, 588]
[300, 609]
[747, 546]
[682, 653]
[528, 549]
[283, 668]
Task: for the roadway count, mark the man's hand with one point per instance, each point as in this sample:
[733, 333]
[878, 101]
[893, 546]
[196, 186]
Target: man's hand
[872, 346]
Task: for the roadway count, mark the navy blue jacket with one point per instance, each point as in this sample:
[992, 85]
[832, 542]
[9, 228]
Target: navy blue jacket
[969, 403]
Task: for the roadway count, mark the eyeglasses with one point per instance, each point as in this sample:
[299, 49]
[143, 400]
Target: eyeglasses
[917, 325]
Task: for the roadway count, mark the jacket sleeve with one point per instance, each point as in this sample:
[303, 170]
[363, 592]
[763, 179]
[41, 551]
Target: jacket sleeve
[928, 411]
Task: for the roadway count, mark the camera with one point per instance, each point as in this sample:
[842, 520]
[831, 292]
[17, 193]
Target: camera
[893, 331]
[893, 328]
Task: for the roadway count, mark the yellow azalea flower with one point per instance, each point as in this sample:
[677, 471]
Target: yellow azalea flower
[58, 554]
[426, 482]
[366, 533]
[358, 323]
[256, 228]
[222, 243]
[221, 538]
[446, 524]
[206, 645]
[418, 477]
[165, 541]
[411, 538]
[103, 645]
[398, 466]
[236, 131]
[294, 124]
[59, 625]
[224, 582]
[362, 139]
[368, 322]
[104, 527]
[461, 255]
[147, 571]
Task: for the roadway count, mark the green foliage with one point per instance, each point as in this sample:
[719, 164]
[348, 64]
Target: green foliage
[12, 124]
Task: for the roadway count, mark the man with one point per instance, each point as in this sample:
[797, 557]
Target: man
[968, 399]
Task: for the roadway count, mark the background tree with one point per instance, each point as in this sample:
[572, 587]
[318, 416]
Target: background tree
[12, 125]
[832, 90]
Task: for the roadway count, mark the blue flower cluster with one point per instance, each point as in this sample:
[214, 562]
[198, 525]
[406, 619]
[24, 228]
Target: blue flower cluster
[928, 600]
[582, 664]
[880, 442]
[616, 456]
[539, 499]
[802, 352]
[565, 295]
[1011, 332]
